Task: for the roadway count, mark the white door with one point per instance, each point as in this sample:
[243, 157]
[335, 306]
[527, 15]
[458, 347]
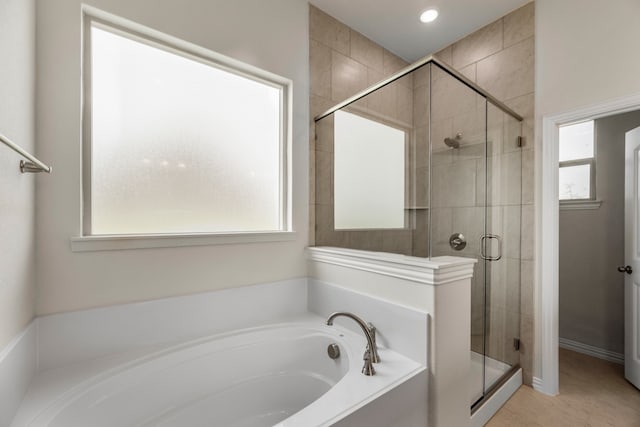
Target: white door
[632, 258]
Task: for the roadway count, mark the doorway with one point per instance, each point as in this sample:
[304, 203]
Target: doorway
[592, 236]
[547, 247]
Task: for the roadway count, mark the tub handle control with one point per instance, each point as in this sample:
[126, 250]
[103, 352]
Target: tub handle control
[333, 351]
[368, 368]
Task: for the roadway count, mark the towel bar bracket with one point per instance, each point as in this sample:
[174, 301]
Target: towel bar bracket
[30, 167]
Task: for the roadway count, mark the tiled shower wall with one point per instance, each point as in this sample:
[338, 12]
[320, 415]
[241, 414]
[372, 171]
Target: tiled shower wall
[342, 63]
[498, 57]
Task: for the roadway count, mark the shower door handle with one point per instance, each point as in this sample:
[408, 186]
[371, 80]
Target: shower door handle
[483, 254]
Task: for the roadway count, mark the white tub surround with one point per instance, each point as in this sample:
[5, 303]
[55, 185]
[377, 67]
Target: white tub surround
[439, 286]
[17, 368]
[255, 341]
[89, 334]
[278, 374]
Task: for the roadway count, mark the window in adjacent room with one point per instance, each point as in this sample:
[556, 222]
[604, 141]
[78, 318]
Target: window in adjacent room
[180, 141]
[577, 162]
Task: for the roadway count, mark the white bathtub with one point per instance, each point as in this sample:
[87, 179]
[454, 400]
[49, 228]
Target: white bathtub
[274, 375]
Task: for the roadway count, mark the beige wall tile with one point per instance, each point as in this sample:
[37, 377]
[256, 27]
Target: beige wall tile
[482, 43]
[524, 105]
[511, 229]
[348, 77]
[324, 178]
[404, 104]
[318, 105]
[324, 134]
[329, 31]
[469, 72]
[519, 25]
[528, 232]
[392, 63]
[528, 176]
[454, 187]
[319, 69]
[421, 144]
[312, 224]
[365, 240]
[312, 174]
[445, 55]
[420, 100]
[422, 187]
[397, 241]
[509, 73]
[366, 52]
[421, 76]
[526, 288]
[420, 242]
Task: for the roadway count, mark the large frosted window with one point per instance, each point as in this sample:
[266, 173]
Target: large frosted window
[180, 145]
[369, 173]
[577, 161]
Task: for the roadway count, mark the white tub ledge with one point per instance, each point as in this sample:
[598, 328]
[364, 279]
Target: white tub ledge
[439, 286]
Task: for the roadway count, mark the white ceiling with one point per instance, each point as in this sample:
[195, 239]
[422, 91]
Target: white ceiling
[395, 24]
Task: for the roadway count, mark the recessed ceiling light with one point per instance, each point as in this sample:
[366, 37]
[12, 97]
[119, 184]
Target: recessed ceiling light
[429, 15]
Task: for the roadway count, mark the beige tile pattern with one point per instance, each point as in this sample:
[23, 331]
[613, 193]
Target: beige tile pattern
[484, 42]
[519, 25]
[366, 51]
[500, 58]
[329, 31]
[510, 72]
[344, 62]
[593, 393]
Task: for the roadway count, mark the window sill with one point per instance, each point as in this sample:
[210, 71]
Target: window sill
[576, 205]
[124, 242]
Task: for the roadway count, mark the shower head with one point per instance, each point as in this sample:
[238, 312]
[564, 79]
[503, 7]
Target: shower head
[453, 142]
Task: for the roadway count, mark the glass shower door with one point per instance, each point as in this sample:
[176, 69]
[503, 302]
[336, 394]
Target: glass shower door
[500, 246]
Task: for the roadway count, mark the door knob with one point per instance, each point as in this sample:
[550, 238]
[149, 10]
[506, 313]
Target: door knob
[625, 269]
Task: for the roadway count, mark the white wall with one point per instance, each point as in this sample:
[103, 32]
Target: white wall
[592, 296]
[585, 54]
[271, 35]
[17, 78]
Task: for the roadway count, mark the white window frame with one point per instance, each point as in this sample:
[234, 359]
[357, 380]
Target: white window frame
[591, 202]
[88, 242]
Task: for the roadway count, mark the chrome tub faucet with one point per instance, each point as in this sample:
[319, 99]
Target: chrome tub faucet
[371, 353]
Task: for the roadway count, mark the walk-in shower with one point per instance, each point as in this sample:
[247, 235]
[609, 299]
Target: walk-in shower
[426, 163]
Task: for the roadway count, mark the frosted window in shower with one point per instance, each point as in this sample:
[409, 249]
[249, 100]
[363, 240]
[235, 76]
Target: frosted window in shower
[577, 161]
[181, 145]
[369, 173]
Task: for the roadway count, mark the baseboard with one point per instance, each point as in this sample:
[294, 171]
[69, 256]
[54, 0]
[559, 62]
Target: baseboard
[17, 368]
[537, 384]
[590, 350]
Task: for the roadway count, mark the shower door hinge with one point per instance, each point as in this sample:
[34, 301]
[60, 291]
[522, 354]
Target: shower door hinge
[516, 344]
[519, 141]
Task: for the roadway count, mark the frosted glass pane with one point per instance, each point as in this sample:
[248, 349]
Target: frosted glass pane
[178, 145]
[576, 141]
[575, 182]
[369, 173]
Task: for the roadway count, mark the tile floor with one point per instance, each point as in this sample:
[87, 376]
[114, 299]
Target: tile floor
[593, 393]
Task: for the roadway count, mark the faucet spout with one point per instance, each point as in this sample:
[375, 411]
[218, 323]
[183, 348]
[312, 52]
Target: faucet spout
[371, 354]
